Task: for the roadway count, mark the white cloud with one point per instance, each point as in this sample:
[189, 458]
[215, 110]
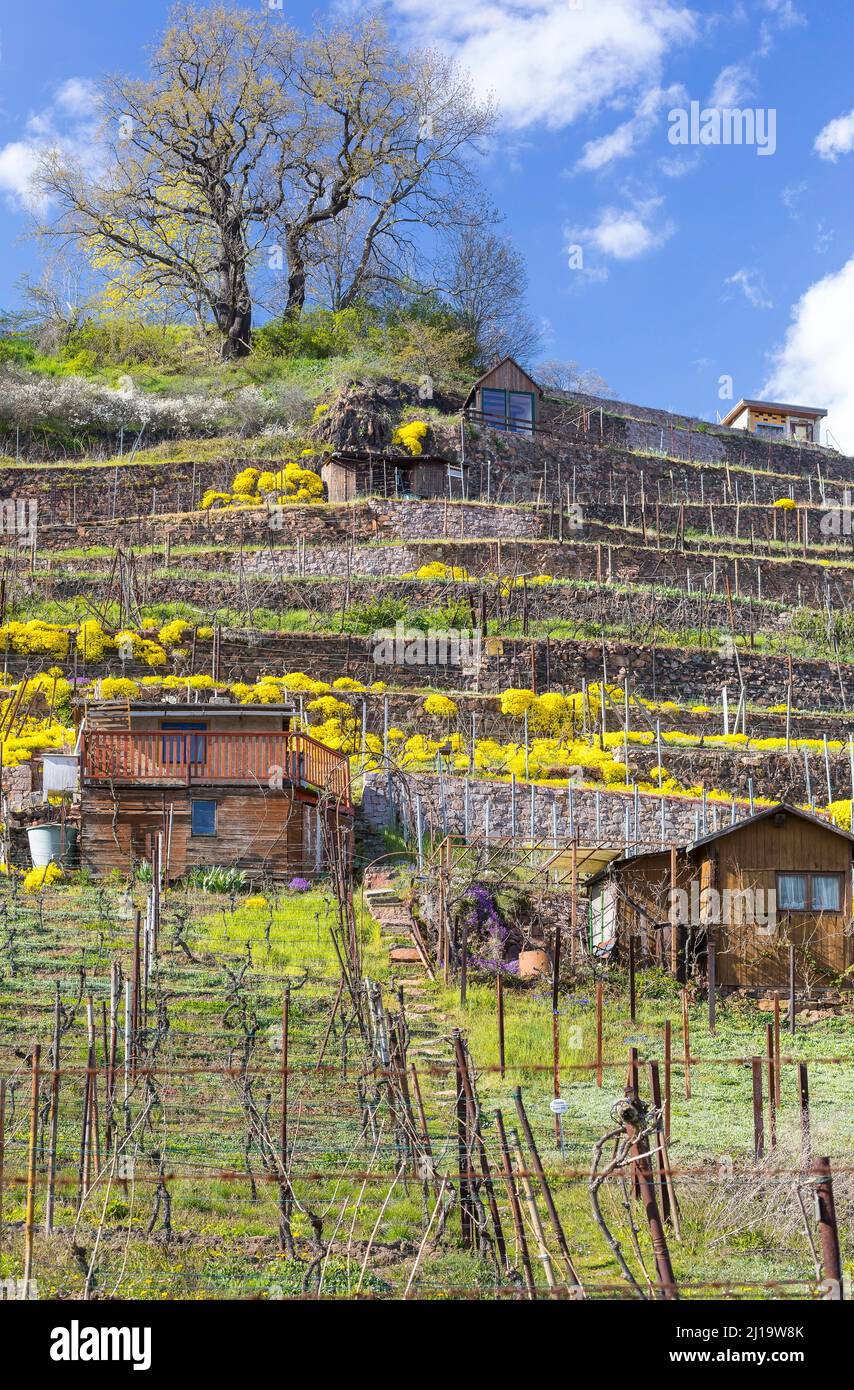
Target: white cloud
[78, 97]
[836, 138]
[815, 363]
[626, 137]
[678, 168]
[782, 14]
[551, 61]
[68, 123]
[625, 234]
[791, 197]
[750, 285]
[733, 85]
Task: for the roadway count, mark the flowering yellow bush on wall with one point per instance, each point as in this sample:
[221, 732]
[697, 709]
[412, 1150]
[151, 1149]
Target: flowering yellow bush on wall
[119, 688]
[172, 634]
[35, 638]
[516, 702]
[437, 569]
[411, 436]
[152, 653]
[300, 682]
[211, 497]
[92, 641]
[787, 504]
[246, 482]
[440, 706]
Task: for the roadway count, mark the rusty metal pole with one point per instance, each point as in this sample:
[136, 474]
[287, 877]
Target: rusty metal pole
[556, 1030]
[804, 1104]
[758, 1125]
[633, 1122]
[711, 971]
[632, 989]
[598, 1033]
[31, 1172]
[285, 1238]
[674, 925]
[499, 1003]
[2, 1151]
[515, 1207]
[778, 1060]
[467, 1223]
[54, 1121]
[573, 905]
[772, 1085]
[662, 1162]
[668, 1054]
[827, 1229]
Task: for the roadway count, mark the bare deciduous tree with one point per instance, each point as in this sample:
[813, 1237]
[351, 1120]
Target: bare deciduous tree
[483, 278]
[247, 137]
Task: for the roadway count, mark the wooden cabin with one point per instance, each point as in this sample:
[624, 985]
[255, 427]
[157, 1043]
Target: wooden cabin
[236, 785]
[772, 420]
[505, 398]
[347, 476]
[777, 879]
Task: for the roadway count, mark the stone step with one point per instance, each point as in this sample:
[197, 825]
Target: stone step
[404, 953]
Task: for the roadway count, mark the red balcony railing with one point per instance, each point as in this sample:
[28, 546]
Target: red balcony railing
[184, 758]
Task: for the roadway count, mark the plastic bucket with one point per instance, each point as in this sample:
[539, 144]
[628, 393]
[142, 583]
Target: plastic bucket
[52, 843]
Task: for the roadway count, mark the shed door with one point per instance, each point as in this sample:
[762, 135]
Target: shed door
[603, 921]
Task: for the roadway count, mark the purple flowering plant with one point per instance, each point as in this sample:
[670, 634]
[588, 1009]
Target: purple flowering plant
[485, 922]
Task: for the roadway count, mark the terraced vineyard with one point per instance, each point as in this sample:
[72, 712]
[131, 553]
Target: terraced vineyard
[603, 647]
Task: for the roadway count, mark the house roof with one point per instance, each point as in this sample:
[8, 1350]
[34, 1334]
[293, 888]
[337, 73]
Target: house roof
[350, 457]
[813, 412]
[731, 829]
[494, 368]
[784, 806]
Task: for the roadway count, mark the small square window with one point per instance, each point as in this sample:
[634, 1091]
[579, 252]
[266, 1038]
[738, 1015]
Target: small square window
[826, 893]
[203, 817]
[792, 892]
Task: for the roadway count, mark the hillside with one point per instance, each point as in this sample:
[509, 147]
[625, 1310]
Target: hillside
[620, 631]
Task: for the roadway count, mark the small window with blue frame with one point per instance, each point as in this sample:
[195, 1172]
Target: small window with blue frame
[203, 817]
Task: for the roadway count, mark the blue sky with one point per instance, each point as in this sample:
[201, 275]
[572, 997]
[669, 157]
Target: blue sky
[690, 263]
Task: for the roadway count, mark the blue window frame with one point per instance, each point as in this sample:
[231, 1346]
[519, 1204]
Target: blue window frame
[180, 749]
[521, 410]
[507, 410]
[494, 407]
[203, 817]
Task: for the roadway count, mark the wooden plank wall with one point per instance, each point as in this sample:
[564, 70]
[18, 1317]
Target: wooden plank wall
[751, 859]
[261, 833]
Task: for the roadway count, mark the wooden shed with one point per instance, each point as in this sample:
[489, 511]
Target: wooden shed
[350, 475]
[235, 785]
[505, 398]
[781, 878]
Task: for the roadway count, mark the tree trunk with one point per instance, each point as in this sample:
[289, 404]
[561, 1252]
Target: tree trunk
[297, 277]
[233, 309]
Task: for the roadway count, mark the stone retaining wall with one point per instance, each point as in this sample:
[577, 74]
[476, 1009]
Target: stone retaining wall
[604, 818]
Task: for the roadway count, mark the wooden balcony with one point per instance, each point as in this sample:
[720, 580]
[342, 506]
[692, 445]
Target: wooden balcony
[171, 757]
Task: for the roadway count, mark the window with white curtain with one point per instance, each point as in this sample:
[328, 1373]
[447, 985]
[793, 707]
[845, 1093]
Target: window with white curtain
[809, 892]
[826, 892]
